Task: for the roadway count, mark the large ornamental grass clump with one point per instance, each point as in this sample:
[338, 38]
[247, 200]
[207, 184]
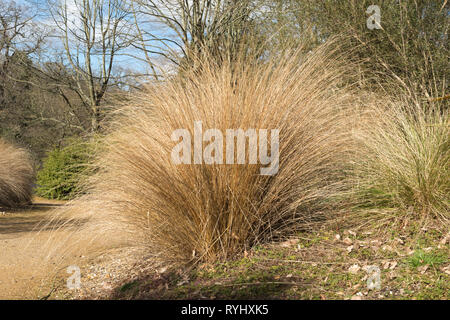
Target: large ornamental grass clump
[203, 212]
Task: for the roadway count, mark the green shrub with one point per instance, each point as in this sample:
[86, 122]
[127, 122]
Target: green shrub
[64, 170]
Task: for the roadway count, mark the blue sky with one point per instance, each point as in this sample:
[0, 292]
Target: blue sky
[124, 60]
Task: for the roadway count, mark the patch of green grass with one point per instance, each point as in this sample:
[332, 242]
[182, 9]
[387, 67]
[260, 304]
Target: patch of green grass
[362, 253]
[421, 258]
[434, 290]
[128, 286]
[307, 239]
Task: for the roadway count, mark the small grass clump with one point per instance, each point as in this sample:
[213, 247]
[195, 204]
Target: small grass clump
[404, 163]
[16, 176]
[421, 258]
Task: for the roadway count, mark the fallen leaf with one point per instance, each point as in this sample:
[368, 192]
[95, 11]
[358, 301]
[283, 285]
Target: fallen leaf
[179, 284]
[162, 270]
[445, 239]
[289, 243]
[446, 269]
[376, 243]
[347, 241]
[392, 275]
[423, 269]
[354, 269]
[362, 243]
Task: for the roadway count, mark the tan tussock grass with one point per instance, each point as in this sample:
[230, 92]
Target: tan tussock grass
[16, 176]
[402, 166]
[191, 213]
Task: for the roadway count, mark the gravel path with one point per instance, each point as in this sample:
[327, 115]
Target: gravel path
[24, 275]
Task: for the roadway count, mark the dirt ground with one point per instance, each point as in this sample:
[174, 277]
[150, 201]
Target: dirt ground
[329, 264]
[22, 237]
[27, 273]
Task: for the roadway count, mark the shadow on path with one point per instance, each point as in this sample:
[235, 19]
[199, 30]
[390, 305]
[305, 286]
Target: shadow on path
[35, 217]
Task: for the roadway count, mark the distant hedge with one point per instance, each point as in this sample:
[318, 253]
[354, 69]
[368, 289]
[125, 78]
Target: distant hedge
[64, 170]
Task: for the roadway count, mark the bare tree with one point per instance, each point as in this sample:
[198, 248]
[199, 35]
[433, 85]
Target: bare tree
[29, 115]
[191, 26]
[93, 34]
[18, 37]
